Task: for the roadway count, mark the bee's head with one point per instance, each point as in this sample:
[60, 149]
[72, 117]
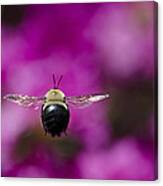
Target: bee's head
[55, 94]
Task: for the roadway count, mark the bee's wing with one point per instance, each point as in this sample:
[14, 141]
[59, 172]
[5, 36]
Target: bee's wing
[83, 101]
[24, 100]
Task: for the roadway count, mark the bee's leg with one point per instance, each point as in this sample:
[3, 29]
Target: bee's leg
[45, 130]
[65, 133]
[45, 133]
[53, 135]
[58, 134]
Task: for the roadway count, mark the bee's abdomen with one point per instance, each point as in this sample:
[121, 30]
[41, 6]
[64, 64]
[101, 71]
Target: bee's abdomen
[55, 119]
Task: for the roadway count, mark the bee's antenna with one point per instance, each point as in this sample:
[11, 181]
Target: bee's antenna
[54, 81]
[59, 80]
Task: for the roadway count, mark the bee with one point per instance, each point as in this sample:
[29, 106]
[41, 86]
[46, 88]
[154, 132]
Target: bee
[55, 112]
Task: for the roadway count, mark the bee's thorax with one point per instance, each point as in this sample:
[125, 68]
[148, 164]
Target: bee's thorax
[55, 95]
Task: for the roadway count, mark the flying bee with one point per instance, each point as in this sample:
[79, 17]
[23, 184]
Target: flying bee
[55, 112]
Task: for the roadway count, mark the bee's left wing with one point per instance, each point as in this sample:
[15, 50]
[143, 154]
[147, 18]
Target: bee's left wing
[24, 100]
[84, 101]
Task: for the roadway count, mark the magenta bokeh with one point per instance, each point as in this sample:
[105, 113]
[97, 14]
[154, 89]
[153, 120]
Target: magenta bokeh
[100, 47]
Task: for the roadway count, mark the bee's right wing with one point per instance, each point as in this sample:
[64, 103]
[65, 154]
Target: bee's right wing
[24, 100]
[86, 100]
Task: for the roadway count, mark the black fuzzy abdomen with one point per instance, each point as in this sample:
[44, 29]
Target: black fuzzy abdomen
[55, 119]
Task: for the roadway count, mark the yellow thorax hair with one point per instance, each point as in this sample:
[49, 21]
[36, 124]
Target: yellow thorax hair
[55, 95]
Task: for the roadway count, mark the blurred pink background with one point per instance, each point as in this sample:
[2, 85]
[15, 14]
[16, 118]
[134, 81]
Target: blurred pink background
[97, 47]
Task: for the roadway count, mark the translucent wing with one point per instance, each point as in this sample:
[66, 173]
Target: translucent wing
[84, 101]
[24, 100]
